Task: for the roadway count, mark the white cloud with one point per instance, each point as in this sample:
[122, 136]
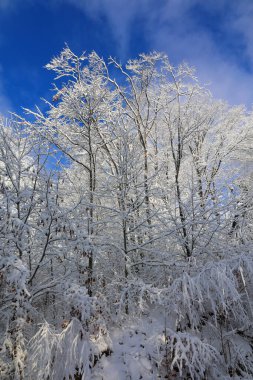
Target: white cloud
[183, 39]
[120, 15]
[6, 4]
[170, 26]
[9, 5]
[243, 23]
[5, 103]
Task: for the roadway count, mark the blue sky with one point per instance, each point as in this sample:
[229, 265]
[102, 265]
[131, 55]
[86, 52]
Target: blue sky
[215, 36]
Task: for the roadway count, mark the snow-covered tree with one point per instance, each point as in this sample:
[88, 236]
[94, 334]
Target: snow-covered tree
[126, 227]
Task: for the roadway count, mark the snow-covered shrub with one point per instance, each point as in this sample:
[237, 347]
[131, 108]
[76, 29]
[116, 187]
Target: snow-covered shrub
[60, 355]
[55, 354]
[81, 304]
[238, 353]
[137, 296]
[13, 310]
[188, 355]
[218, 291]
[213, 306]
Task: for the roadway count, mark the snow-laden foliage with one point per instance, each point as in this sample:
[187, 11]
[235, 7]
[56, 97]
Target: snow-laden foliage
[14, 310]
[189, 355]
[73, 351]
[219, 289]
[126, 228]
[60, 355]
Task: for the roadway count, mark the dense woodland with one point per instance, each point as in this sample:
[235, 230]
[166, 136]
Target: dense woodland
[126, 228]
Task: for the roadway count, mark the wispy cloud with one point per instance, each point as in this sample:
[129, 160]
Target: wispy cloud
[171, 26]
[5, 102]
[6, 4]
[9, 5]
[243, 23]
[183, 37]
[214, 36]
[120, 15]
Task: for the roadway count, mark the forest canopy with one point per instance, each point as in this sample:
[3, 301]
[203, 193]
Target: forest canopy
[126, 227]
